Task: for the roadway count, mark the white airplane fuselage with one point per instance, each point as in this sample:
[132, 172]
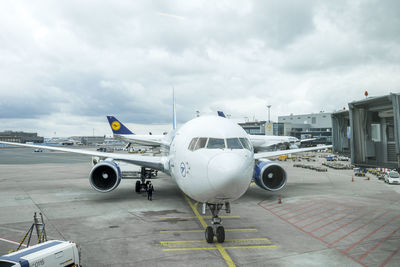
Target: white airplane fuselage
[212, 175]
[267, 141]
[145, 139]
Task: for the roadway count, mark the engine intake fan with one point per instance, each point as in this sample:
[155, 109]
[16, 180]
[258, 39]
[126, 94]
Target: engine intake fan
[269, 175]
[105, 176]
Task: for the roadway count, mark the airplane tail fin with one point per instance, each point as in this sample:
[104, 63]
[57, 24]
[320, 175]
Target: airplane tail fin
[117, 127]
[173, 110]
[221, 114]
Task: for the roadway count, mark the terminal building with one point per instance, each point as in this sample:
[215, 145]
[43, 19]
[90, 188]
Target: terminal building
[20, 137]
[304, 126]
[254, 127]
[264, 128]
[370, 132]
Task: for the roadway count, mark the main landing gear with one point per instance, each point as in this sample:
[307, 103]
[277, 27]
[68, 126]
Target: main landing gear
[216, 229]
[145, 173]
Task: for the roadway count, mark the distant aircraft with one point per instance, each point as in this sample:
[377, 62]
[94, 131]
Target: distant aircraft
[268, 142]
[210, 158]
[121, 132]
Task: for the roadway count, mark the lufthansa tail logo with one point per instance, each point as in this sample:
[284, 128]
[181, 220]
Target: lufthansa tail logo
[115, 125]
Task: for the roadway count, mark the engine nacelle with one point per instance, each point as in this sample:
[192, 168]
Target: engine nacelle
[105, 176]
[269, 175]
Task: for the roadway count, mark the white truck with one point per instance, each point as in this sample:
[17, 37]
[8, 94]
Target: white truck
[47, 254]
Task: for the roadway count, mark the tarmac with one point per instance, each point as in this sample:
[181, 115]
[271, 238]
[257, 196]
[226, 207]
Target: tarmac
[325, 219]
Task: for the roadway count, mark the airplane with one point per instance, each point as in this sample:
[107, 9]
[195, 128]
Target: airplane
[210, 158]
[259, 142]
[122, 133]
[269, 142]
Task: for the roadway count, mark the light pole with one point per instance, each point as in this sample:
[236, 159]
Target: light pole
[269, 109]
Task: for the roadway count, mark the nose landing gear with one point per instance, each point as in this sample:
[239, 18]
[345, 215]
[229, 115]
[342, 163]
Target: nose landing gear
[216, 229]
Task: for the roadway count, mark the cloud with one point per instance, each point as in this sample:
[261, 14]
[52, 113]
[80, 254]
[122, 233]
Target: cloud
[85, 60]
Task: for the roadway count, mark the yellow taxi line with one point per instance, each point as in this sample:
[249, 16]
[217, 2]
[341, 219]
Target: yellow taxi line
[226, 259]
[203, 241]
[199, 231]
[220, 248]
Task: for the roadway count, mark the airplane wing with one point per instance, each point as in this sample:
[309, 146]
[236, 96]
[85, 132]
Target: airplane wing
[156, 163]
[289, 151]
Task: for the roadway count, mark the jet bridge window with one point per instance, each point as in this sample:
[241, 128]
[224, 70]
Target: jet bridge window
[201, 143]
[233, 143]
[215, 143]
[192, 143]
[246, 143]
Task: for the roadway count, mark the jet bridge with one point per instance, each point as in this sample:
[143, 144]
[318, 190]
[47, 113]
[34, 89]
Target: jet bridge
[375, 131]
[341, 132]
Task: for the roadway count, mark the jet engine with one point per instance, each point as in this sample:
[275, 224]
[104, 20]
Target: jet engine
[269, 175]
[105, 176]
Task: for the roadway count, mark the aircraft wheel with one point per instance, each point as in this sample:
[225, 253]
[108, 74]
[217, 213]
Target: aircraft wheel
[209, 234]
[220, 233]
[137, 187]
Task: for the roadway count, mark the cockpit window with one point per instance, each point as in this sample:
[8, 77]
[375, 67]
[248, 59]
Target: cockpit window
[233, 143]
[201, 143]
[216, 143]
[192, 143]
[246, 143]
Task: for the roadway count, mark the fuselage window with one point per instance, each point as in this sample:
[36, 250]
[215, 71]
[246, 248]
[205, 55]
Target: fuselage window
[201, 143]
[246, 144]
[192, 143]
[214, 143]
[233, 143]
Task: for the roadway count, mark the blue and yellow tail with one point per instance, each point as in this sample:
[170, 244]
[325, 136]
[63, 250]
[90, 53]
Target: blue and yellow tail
[117, 127]
[221, 114]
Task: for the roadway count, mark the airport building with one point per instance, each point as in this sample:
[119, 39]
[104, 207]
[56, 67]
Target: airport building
[20, 137]
[254, 127]
[370, 131]
[313, 125]
[89, 140]
[265, 128]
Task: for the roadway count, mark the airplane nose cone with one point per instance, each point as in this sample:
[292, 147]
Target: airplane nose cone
[229, 174]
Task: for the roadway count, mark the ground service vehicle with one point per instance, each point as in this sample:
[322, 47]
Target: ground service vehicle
[46, 254]
[359, 172]
[392, 177]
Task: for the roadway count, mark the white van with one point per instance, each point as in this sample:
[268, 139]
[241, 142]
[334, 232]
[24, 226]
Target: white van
[392, 177]
[48, 254]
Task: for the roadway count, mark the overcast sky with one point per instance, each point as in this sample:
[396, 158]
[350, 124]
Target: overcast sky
[65, 65]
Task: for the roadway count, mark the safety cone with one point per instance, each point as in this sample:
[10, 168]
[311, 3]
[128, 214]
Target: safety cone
[279, 199]
[367, 178]
[352, 178]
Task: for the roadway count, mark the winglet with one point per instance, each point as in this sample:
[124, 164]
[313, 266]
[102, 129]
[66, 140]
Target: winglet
[173, 110]
[221, 114]
[117, 127]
